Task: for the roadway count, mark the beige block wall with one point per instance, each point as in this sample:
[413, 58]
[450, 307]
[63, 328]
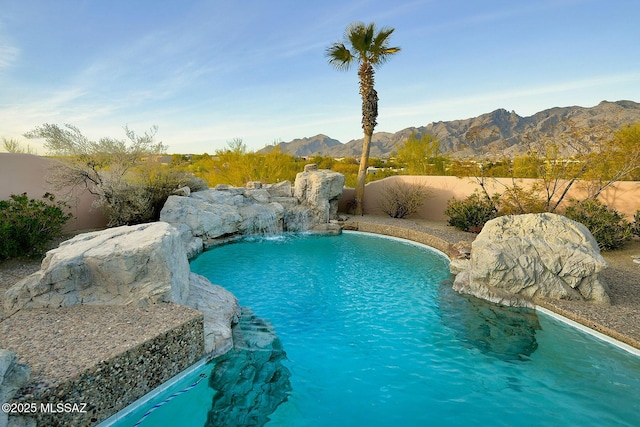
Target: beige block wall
[21, 173]
[26, 173]
[624, 197]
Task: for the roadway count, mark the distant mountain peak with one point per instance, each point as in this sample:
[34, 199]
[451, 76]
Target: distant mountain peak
[498, 133]
[306, 146]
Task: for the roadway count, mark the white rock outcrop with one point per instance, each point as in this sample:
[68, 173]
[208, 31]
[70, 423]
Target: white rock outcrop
[224, 211]
[220, 309]
[13, 376]
[320, 190]
[518, 258]
[142, 264]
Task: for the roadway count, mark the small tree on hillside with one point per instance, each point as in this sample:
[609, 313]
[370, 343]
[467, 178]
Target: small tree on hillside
[13, 146]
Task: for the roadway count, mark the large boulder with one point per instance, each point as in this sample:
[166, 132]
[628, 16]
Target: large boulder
[320, 190]
[13, 376]
[141, 264]
[220, 309]
[518, 258]
[208, 214]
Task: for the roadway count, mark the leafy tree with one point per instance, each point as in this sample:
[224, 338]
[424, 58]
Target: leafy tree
[350, 171]
[615, 159]
[370, 49]
[421, 156]
[235, 165]
[107, 168]
[599, 159]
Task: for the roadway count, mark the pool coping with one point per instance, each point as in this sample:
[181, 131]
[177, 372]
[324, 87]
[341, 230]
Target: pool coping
[622, 345]
[144, 400]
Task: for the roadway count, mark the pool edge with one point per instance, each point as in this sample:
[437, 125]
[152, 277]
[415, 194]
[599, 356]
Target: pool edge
[604, 337]
[118, 416]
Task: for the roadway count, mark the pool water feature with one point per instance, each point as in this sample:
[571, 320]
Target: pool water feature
[374, 335]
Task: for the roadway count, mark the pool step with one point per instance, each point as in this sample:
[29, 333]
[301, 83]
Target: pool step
[250, 380]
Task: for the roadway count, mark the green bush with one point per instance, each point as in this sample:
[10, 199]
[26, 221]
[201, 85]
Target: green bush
[471, 213]
[636, 223]
[607, 226]
[27, 225]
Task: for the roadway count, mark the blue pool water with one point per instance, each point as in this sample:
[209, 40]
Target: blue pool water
[374, 335]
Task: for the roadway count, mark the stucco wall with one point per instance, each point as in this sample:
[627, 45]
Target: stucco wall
[624, 197]
[26, 173]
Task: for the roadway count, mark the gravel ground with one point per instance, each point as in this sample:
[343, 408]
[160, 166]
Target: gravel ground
[60, 343]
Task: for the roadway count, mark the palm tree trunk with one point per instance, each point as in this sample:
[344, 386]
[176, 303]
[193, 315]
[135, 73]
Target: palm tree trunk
[362, 174]
[369, 117]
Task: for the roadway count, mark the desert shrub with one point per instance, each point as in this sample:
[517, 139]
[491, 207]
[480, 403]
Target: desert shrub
[471, 213]
[27, 225]
[123, 203]
[636, 223]
[399, 199]
[517, 200]
[154, 184]
[610, 229]
[141, 200]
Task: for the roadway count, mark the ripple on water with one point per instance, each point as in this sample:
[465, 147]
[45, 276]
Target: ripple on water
[374, 335]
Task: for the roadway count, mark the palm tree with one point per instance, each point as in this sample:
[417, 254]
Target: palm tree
[370, 49]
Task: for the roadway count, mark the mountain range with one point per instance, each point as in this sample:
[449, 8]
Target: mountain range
[499, 133]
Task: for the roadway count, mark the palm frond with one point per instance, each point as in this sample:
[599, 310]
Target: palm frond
[339, 56]
[380, 49]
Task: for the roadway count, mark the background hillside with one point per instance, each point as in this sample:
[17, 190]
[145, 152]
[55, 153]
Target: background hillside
[496, 134]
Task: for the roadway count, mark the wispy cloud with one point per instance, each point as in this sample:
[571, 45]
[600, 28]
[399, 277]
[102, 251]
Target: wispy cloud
[8, 54]
[489, 16]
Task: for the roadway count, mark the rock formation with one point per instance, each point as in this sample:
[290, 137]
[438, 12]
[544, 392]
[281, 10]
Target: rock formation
[518, 258]
[320, 190]
[250, 380]
[138, 264]
[220, 309]
[142, 264]
[12, 377]
[258, 208]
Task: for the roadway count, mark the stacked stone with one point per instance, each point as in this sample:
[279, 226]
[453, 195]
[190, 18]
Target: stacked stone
[251, 379]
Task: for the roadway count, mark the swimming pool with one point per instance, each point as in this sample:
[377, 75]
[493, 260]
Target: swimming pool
[367, 331]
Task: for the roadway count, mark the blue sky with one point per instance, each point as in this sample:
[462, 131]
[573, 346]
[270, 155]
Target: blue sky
[207, 72]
